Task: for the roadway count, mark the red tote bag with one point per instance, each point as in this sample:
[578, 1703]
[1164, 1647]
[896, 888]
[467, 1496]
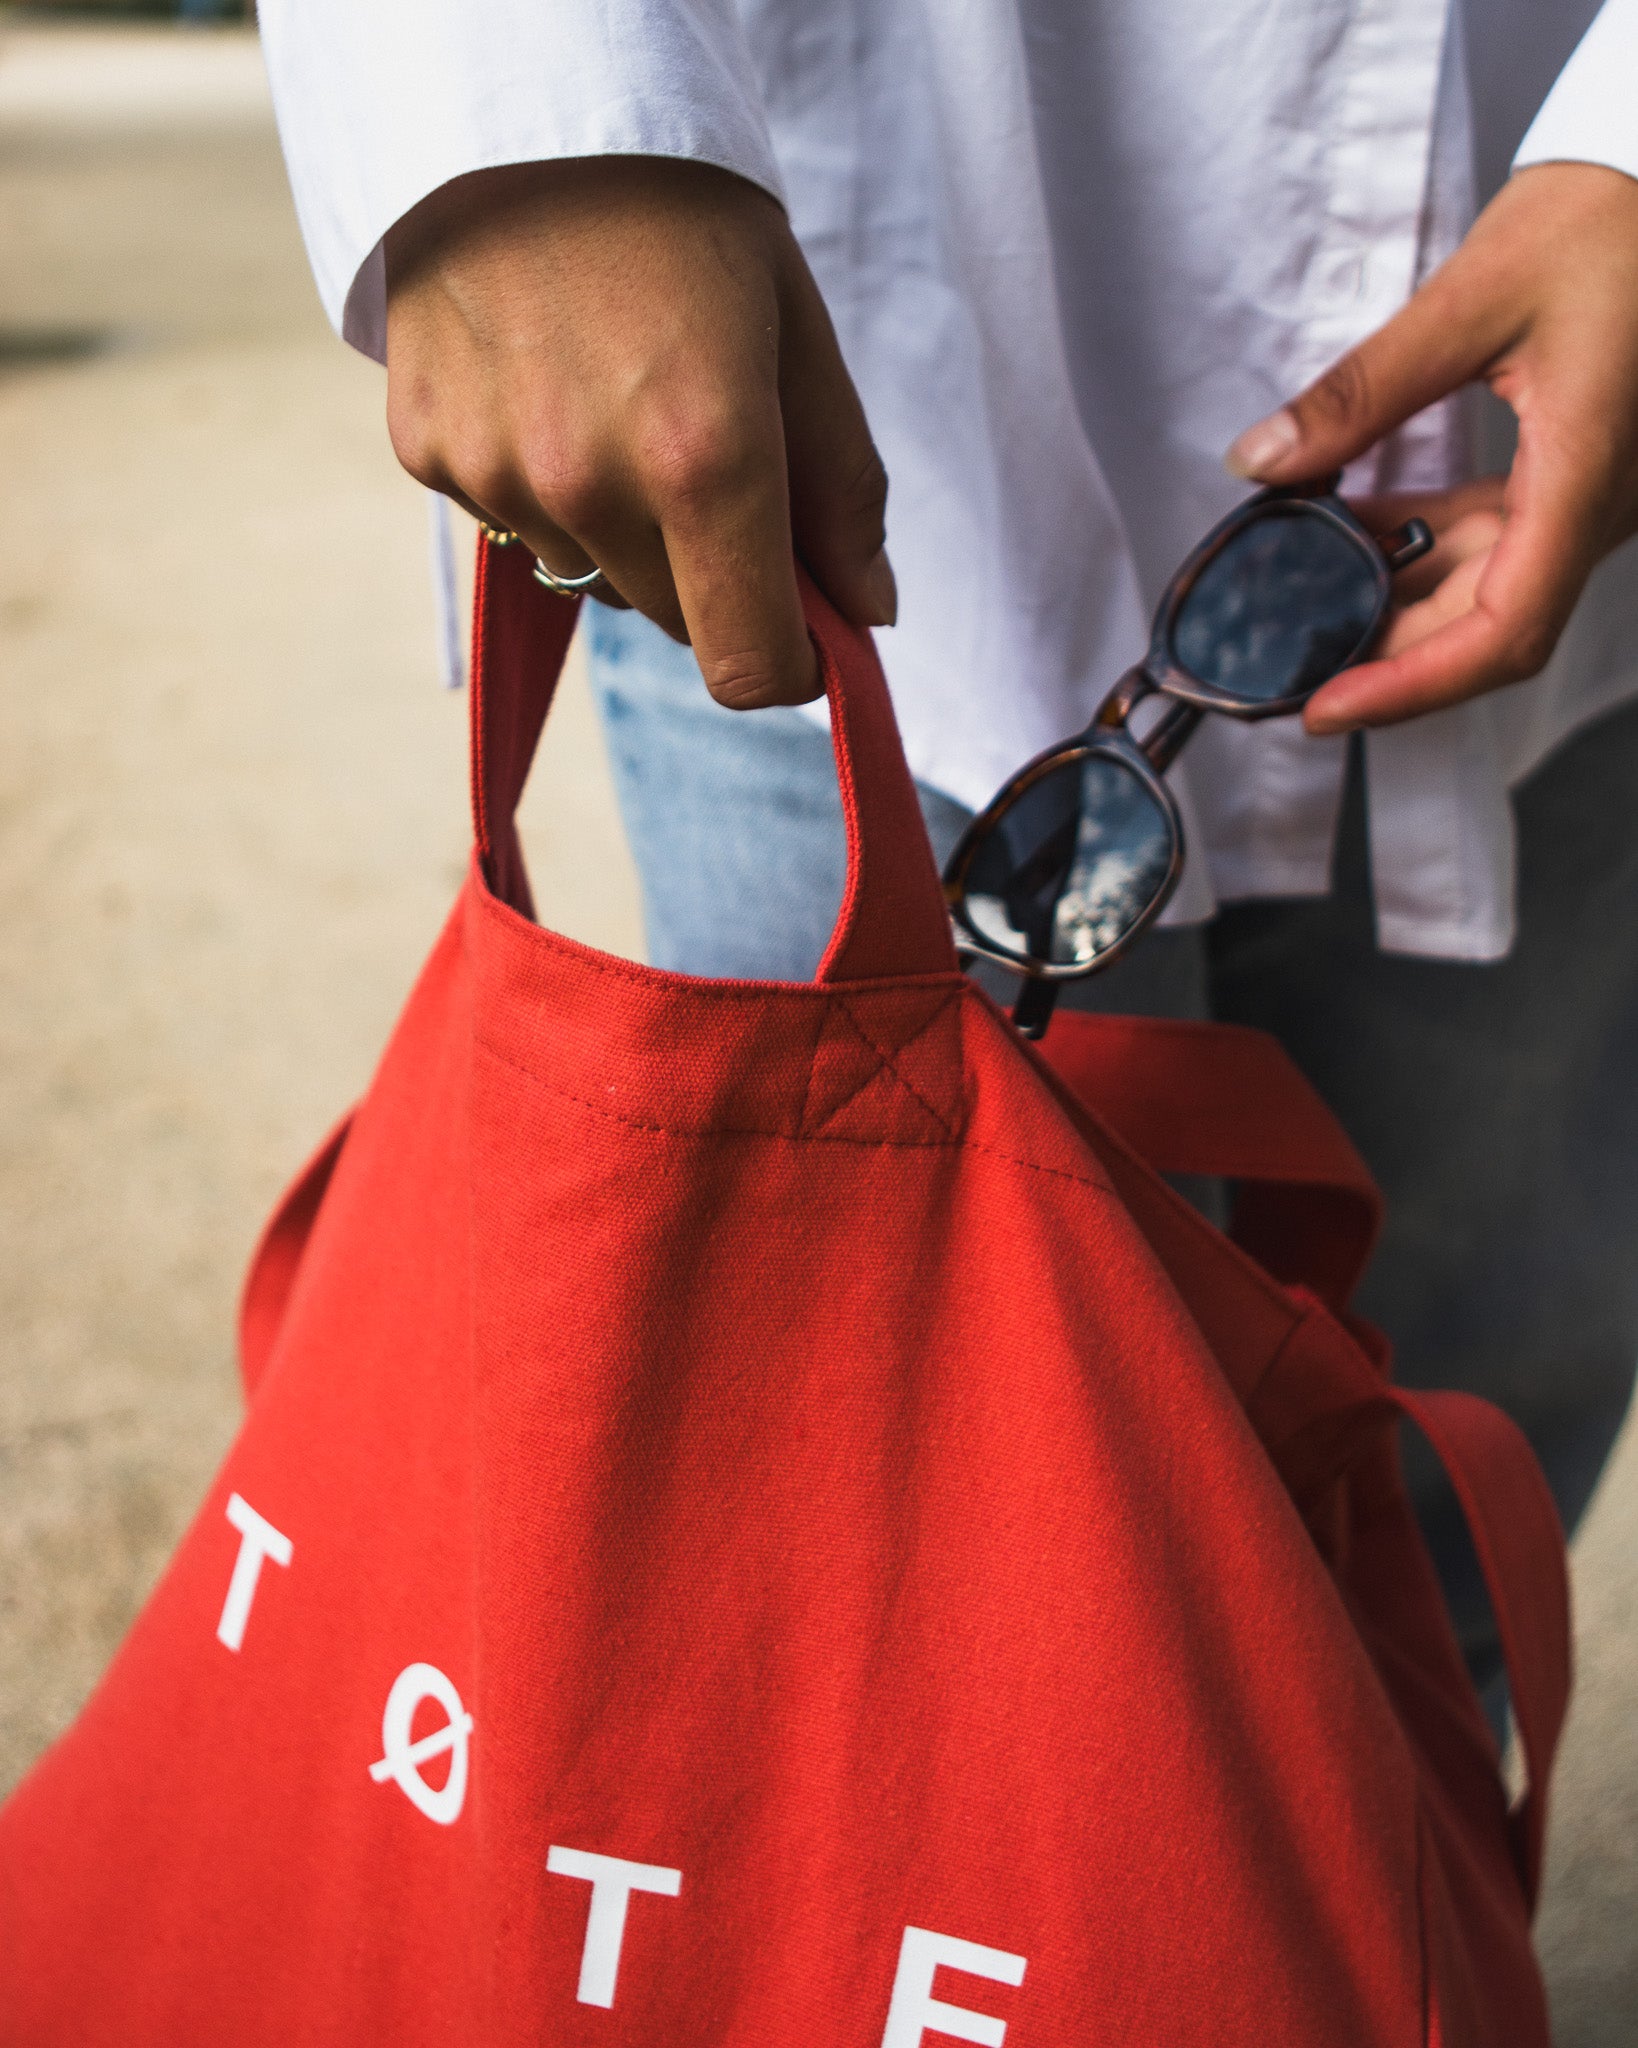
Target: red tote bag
[761, 1522]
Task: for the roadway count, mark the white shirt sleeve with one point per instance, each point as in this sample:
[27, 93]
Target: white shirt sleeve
[1591, 114]
[380, 102]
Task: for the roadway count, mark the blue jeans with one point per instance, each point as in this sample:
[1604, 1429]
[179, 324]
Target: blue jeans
[1497, 1105]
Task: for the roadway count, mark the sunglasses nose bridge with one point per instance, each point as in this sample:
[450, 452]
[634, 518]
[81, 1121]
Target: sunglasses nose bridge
[1166, 735]
[1123, 699]
[1169, 734]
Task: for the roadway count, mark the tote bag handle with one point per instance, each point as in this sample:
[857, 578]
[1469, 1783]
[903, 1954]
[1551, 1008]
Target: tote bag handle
[892, 921]
[1513, 1520]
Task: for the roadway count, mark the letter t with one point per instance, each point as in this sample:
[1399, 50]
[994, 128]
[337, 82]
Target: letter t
[613, 1881]
[258, 1539]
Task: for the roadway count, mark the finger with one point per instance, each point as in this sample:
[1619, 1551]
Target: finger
[630, 556]
[494, 494]
[547, 543]
[1522, 595]
[1384, 512]
[838, 487]
[577, 514]
[559, 551]
[1455, 545]
[1452, 329]
[1449, 600]
[724, 515]
[1459, 517]
[1461, 660]
[456, 496]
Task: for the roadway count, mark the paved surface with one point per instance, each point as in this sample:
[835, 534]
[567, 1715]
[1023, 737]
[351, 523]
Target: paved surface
[231, 819]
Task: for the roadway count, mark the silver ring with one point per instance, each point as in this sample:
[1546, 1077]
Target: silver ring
[567, 586]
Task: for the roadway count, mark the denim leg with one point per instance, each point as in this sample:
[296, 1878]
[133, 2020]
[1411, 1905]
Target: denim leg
[733, 817]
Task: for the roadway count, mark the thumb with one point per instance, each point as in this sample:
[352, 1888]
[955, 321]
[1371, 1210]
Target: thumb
[838, 487]
[1441, 340]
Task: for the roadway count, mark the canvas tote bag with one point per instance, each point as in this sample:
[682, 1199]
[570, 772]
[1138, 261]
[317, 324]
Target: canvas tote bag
[762, 1522]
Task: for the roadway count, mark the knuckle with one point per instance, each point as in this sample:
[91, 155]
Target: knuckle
[1342, 396]
[485, 476]
[414, 442]
[568, 483]
[697, 458]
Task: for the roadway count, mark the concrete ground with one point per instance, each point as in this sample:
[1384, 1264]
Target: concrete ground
[232, 815]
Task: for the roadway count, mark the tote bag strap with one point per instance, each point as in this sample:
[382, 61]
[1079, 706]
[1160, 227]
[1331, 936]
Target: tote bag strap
[1221, 1099]
[1227, 1101]
[892, 921]
[520, 639]
[1516, 1533]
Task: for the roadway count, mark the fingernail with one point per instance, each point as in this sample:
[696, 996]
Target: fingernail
[1264, 446]
[884, 590]
[1325, 724]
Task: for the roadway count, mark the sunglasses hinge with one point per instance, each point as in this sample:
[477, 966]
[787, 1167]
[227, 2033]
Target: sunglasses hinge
[1407, 544]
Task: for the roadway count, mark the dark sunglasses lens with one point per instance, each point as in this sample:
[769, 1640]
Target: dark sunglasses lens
[1280, 609]
[1069, 868]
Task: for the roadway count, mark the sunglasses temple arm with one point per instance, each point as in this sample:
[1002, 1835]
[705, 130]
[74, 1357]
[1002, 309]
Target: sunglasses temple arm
[1169, 735]
[1033, 1007]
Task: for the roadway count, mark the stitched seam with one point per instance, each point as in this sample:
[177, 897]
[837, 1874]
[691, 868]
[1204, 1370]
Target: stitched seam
[952, 1144]
[921, 1029]
[848, 1099]
[884, 1063]
[813, 1061]
[890, 1062]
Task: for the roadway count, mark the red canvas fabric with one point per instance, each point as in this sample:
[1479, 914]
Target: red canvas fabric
[761, 1519]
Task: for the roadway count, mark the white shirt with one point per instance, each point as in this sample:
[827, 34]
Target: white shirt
[1071, 248]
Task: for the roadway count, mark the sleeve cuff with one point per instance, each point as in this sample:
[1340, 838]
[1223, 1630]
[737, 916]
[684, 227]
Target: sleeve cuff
[380, 104]
[1591, 114]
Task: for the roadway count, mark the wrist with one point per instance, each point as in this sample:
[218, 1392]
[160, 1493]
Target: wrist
[566, 194]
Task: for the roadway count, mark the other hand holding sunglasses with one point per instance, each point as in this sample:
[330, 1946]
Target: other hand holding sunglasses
[1079, 852]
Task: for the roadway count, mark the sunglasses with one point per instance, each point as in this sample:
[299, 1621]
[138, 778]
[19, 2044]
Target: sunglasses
[1080, 851]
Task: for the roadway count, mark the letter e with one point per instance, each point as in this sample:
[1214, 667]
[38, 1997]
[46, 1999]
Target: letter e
[915, 2011]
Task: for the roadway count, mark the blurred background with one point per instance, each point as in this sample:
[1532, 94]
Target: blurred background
[136, 10]
[232, 818]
